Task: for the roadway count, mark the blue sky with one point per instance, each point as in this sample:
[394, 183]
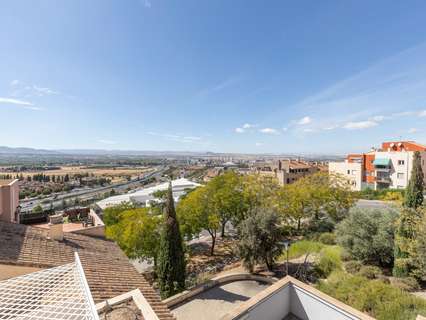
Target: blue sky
[229, 76]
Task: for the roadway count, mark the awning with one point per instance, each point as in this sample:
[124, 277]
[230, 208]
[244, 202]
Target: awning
[381, 162]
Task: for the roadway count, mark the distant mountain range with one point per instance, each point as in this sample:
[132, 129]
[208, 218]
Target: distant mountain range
[25, 151]
[9, 151]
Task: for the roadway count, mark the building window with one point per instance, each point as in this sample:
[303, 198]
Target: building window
[349, 171]
[400, 175]
[401, 162]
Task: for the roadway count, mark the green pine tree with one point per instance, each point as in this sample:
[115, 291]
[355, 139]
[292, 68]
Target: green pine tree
[414, 193]
[171, 260]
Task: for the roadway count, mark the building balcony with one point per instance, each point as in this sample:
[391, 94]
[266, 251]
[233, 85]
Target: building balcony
[382, 179]
[382, 169]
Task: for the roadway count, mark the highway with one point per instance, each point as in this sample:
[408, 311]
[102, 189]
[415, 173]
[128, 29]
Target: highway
[88, 193]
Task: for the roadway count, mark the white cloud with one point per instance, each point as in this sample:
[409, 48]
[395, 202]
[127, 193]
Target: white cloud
[20, 103]
[21, 89]
[177, 137]
[15, 101]
[304, 121]
[359, 125]
[285, 129]
[413, 130]
[258, 144]
[40, 91]
[239, 130]
[308, 130]
[106, 141]
[332, 127]
[422, 113]
[231, 81]
[378, 118]
[248, 126]
[269, 131]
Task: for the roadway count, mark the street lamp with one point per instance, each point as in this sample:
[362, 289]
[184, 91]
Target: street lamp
[286, 244]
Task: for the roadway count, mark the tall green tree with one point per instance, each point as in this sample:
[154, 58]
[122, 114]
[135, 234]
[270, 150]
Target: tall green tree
[196, 212]
[405, 241]
[226, 196]
[414, 193]
[171, 259]
[260, 239]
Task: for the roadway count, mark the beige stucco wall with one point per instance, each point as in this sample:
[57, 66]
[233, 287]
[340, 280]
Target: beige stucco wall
[9, 201]
[354, 176]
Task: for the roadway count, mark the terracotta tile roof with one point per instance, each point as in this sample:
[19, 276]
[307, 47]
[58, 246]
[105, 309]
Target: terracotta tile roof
[108, 271]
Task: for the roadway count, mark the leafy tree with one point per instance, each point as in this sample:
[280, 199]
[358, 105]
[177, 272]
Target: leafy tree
[196, 213]
[136, 231]
[414, 193]
[38, 209]
[368, 235]
[112, 215]
[317, 199]
[258, 192]
[260, 239]
[171, 260]
[226, 196]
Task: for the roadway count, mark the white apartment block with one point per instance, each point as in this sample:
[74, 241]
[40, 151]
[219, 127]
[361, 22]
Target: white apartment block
[387, 167]
[352, 171]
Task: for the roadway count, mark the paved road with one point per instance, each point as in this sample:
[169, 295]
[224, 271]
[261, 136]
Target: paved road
[372, 204]
[216, 302]
[88, 193]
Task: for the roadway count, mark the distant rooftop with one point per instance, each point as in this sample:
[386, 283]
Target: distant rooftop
[145, 195]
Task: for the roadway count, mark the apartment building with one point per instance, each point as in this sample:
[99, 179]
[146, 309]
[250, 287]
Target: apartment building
[386, 167]
[288, 171]
[9, 200]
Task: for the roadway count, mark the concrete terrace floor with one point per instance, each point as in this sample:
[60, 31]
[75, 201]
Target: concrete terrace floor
[216, 302]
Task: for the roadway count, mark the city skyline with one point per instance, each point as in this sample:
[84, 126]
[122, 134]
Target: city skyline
[327, 78]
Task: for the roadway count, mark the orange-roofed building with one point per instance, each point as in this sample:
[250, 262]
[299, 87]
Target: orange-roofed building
[387, 167]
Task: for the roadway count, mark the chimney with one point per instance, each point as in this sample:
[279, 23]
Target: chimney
[56, 231]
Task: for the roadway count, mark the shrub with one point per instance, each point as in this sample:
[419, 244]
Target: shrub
[329, 260]
[401, 267]
[379, 299]
[301, 248]
[368, 235]
[346, 256]
[353, 266]
[406, 284]
[328, 238]
[370, 272]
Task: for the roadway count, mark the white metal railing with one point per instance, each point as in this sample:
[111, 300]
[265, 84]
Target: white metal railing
[52, 294]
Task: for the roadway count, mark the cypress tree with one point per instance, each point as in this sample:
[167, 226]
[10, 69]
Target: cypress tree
[171, 260]
[414, 193]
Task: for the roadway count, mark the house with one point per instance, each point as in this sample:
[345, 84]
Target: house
[288, 171]
[386, 167]
[108, 272]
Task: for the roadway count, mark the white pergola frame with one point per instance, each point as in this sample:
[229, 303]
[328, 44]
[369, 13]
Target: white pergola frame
[59, 293]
